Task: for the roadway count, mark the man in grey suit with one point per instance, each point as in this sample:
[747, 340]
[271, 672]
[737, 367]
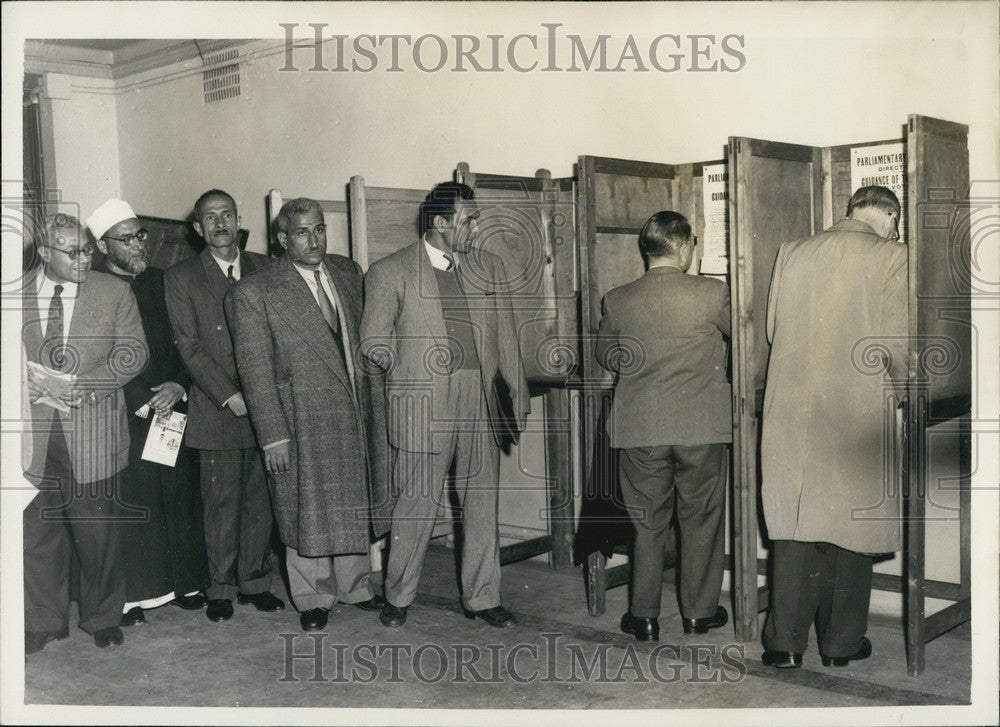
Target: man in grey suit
[84, 325]
[319, 421]
[438, 320]
[837, 323]
[238, 516]
[672, 415]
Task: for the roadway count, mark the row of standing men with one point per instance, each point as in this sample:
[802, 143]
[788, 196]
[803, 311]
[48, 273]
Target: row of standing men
[290, 421]
[345, 423]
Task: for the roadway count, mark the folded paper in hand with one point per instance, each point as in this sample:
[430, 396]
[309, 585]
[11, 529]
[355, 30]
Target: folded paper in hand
[50, 379]
[164, 438]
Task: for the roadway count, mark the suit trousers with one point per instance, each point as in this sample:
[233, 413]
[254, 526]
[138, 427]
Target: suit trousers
[328, 580]
[818, 582]
[652, 480]
[64, 516]
[238, 522]
[420, 479]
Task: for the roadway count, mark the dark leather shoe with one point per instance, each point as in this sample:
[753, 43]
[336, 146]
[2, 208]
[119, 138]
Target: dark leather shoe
[862, 653]
[375, 603]
[265, 601]
[392, 615]
[642, 628]
[133, 617]
[111, 636]
[219, 609]
[497, 616]
[781, 659]
[190, 603]
[314, 619]
[702, 625]
[35, 641]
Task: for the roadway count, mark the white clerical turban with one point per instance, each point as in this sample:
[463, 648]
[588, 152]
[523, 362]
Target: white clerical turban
[108, 215]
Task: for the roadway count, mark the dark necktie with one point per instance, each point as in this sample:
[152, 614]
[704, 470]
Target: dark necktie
[230, 277]
[451, 261]
[53, 345]
[326, 307]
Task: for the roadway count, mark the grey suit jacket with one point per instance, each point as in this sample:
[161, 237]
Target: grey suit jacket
[663, 335]
[335, 498]
[403, 332]
[195, 289]
[107, 349]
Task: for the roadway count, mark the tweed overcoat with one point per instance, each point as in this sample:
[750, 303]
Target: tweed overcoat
[298, 387]
[837, 323]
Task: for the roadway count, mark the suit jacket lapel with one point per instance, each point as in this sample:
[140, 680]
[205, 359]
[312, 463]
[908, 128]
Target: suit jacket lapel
[215, 280]
[428, 295]
[32, 333]
[295, 303]
[349, 313]
[86, 313]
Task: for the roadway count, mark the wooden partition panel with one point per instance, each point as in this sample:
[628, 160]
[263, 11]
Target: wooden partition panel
[775, 196]
[529, 223]
[383, 220]
[940, 356]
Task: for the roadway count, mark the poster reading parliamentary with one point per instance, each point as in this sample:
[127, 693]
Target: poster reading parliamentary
[715, 250]
[884, 165]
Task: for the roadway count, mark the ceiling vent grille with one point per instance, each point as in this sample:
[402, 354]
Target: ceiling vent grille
[223, 81]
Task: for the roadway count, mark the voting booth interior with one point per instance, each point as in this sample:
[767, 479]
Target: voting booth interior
[781, 192]
[615, 199]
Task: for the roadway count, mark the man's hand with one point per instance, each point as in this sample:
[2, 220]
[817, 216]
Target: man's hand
[39, 387]
[278, 459]
[167, 394]
[236, 405]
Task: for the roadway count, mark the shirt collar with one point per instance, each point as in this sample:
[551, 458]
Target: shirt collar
[310, 275]
[224, 265]
[438, 259]
[47, 287]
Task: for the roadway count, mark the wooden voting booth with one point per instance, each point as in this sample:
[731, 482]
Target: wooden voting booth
[781, 192]
[615, 199]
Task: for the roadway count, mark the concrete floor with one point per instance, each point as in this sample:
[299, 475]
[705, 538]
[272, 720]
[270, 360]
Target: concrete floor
[441, 659]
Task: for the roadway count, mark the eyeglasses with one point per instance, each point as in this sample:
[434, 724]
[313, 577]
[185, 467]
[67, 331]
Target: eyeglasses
[74, 253]
[139, 235]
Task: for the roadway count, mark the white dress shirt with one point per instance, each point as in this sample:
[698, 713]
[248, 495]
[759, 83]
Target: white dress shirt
[439, 259]
[224, 265]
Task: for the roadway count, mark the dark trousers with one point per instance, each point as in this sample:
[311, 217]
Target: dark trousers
[67, 515]
[238, 522]
[691, 479]
[818, 582]
[420, 477]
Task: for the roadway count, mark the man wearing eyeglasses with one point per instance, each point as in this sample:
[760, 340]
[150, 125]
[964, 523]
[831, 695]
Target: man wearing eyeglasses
[163, 555]
[238, 519]
[83, 341]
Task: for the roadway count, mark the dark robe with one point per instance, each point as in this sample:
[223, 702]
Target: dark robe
[165, 552]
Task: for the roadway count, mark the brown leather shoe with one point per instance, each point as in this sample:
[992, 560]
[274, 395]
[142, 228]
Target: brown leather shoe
[702, 625]
[781, 659]
[111, 636]
[314, 619]
[265, 601]
[133, 617]
[35, 641]
[862, 653]
[375, 603]
[219, 609]
[641, 627]
[498, 616]
[392, 616]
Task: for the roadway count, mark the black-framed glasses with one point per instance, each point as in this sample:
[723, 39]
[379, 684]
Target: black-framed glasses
[139, 235]
[74, 253]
